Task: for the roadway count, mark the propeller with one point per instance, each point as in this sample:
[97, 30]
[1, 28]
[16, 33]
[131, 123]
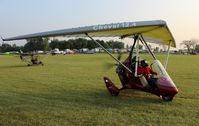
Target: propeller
[119, 56]
[110, 65]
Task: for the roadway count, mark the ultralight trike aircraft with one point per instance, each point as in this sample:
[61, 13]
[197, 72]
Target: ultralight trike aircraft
[128, 71]
[30, 59]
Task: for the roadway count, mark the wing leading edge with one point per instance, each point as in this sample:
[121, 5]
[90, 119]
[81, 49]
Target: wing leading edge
[156, 30]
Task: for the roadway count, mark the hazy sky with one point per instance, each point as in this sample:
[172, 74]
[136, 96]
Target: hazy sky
[28, 16]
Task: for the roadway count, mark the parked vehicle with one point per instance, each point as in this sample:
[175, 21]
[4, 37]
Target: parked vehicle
[55, 51]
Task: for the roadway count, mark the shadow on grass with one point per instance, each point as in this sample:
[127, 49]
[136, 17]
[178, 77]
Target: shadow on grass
[19, 66]
[14, 66]
[97, 98]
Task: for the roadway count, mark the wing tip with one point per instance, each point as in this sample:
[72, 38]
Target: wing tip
[2, 38]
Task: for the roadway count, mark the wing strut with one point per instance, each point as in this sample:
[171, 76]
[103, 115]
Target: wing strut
[146, 45]
[167, 58]
[109, 53]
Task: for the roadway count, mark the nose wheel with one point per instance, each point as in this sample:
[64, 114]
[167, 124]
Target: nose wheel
[167, 98]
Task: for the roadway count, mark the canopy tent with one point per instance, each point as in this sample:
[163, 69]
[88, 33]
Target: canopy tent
[154, 31]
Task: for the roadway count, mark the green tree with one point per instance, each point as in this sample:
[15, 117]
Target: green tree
[45, 44]
[83, 43]
[68, 44]
[54, 44]
[197, 48]
[115, 44]
[36, 44]
[190, 45]
[91, 44]
[104, 44]
[6, 47]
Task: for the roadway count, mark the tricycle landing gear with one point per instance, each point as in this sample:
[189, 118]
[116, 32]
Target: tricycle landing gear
[167, 98]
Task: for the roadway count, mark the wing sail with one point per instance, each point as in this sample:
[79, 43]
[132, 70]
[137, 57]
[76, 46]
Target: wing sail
[155, 30]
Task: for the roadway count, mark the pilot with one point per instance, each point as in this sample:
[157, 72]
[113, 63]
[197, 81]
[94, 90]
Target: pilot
[35, 60]
[147, 72]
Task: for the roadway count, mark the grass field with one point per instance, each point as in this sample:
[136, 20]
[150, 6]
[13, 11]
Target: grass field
[69, 90]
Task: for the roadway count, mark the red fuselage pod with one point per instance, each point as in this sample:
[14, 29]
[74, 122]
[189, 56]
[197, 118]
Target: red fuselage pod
[166, 87]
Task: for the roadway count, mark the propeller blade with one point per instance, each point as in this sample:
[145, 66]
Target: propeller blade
[109, 65]
[119, 56]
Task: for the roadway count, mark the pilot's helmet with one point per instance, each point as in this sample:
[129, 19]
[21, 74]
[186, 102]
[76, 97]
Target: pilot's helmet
[144, 63]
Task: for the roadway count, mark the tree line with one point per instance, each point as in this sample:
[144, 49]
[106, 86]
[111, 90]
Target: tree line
[192, 45]
[44, 44]
[84, 43]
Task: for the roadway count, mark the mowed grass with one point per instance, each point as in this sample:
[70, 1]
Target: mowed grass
[69, 90]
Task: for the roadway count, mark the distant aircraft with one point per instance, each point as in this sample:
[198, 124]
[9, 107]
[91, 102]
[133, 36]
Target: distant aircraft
[30, 58]
[128, 71]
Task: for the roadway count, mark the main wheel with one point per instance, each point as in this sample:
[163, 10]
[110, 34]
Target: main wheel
[167, 98]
